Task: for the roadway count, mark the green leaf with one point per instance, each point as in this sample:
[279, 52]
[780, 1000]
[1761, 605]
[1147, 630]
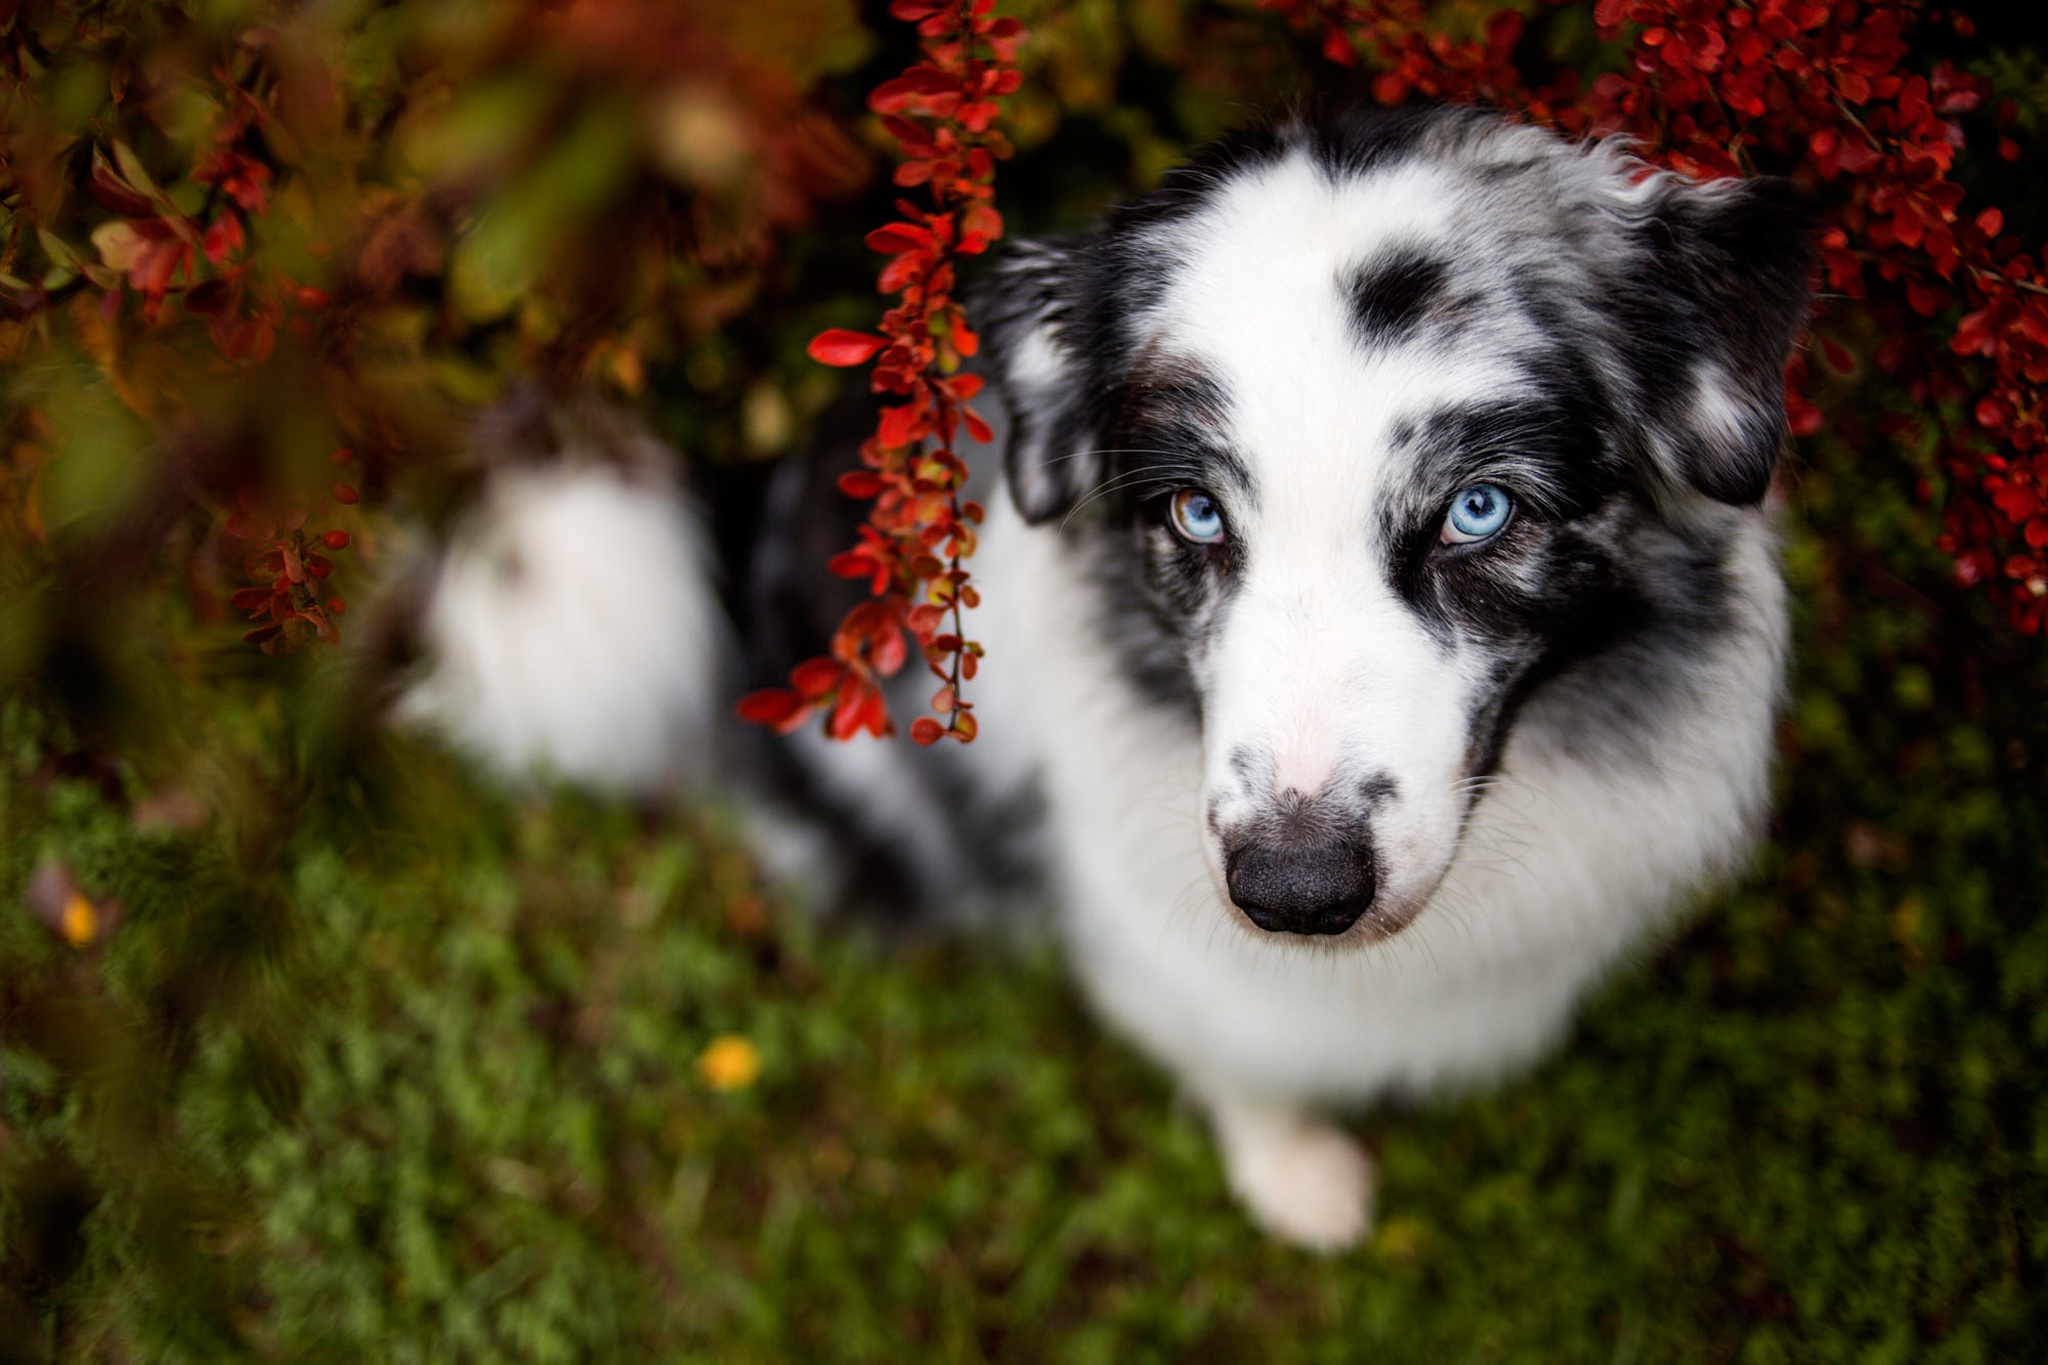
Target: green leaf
[57, 249]
[133, 171]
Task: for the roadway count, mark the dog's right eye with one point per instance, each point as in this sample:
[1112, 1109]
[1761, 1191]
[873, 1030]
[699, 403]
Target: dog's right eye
[1196, 517]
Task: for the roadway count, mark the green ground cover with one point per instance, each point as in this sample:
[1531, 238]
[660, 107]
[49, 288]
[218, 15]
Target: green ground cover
[378, 1065]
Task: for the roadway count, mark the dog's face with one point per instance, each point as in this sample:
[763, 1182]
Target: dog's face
[1374, 429]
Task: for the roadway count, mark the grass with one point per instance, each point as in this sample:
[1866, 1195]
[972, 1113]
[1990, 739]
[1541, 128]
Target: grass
[379, 1065]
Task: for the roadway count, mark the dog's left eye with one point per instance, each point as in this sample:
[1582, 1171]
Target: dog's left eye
[1477, 513]
[1197, 518]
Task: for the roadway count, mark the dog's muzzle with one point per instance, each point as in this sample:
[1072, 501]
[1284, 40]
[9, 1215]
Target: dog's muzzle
[1317, 883]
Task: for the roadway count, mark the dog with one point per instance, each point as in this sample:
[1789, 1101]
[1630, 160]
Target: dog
[1384, 624]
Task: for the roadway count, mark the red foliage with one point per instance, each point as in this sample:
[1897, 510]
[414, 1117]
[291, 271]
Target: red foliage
[155, 248]
[289, 606]
[942, 114]
[222, 159]
[1823, 90]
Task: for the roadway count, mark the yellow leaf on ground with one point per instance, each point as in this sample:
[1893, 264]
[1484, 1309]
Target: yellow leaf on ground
[80, 923]
[729, 1062]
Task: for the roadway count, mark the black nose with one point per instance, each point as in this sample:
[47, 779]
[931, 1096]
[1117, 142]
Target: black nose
[1293, 886]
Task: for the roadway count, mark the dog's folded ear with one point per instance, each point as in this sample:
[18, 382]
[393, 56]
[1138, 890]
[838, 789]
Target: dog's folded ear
[1720, 294]
[1030, 320]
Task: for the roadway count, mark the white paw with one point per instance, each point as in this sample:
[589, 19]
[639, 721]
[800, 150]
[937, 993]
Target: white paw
[1301, 1179]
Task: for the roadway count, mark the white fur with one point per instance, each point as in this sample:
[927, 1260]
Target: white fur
[571, 631]
[1563, 868]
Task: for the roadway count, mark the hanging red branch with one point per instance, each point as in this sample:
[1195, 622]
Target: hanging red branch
[942, 113]
[1821, 90]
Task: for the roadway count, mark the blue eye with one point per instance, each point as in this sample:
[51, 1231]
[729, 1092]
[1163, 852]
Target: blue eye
[1477, 513]
[1197, 517]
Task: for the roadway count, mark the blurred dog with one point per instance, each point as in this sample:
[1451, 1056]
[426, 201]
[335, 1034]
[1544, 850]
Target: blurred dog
[1384, 624]
[567, 618]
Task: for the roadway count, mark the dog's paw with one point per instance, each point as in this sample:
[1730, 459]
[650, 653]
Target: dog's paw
[1303, 1180]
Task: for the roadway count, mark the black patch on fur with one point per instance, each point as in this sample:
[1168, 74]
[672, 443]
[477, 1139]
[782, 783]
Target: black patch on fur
[1586, 581]
[1393, 292]
[1164, 431]
[1376, 790]
[1355, 144]
[1725, 288]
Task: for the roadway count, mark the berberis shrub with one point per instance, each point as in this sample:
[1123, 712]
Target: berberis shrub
[311, 1047]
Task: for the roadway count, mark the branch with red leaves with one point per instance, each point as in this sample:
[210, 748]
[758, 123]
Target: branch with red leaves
[1822, 90]
[156, 250]
[942, 113]
[290, 607]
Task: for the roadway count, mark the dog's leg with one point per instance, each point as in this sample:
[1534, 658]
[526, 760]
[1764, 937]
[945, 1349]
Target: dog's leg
[1302, 1178]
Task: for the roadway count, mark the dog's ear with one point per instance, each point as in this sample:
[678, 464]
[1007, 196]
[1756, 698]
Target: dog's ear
[1711, 322]
[1030, 319]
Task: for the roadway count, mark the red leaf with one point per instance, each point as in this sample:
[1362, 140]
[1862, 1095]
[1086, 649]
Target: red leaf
[982, 221]
[902, 424]
[925, 730]
[900, 237]
[107, 187]
[770, 706]
[837, 346]
[900, 273]
[815, 679]
[845, 720]
[1973, 333]
[335, 540]
[223, 235]
[889, 652]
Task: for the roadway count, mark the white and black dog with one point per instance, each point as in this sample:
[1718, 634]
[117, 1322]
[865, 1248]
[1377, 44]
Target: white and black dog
[1384, 627]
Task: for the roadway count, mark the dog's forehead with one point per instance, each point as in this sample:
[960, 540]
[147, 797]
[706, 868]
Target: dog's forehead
[1334, 310]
